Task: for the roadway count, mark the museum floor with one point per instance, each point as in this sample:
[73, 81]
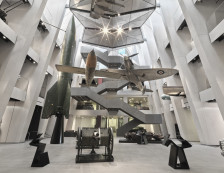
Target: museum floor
[129, 158]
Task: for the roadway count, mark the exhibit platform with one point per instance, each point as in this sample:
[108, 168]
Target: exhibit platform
[128, 158]
[88, 158]
[128, 141]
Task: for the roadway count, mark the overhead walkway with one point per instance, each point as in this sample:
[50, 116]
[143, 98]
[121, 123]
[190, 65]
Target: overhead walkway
[103, 57]
[110, 86]
[115, 104]
[109, 61]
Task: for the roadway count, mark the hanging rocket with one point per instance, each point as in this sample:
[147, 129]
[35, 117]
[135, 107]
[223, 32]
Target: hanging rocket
[57, 101]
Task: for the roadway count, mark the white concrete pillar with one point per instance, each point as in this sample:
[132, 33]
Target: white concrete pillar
[180, 42]
[50, 126]
[43, 44]
[211, 54]
[12, 56]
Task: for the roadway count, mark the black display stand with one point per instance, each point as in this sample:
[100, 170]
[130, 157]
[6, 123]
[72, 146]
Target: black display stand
[58, 133]
[126, 141]
[41, 158]
[88, 158]
[177, 152]
[70, 133]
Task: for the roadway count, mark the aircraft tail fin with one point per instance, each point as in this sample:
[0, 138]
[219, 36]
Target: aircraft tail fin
[143, 90]
[50, 102]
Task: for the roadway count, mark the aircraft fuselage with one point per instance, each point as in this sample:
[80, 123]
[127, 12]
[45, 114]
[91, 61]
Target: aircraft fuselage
[131, 76]
[90, 67]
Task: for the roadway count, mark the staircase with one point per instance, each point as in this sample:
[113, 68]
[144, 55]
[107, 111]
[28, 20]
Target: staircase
[110, 86]
[115, 104]
[103, 57]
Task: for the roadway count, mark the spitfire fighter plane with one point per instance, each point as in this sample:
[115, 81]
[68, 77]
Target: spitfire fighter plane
[136, 76]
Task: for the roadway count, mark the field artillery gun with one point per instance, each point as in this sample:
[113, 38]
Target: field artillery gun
[92, 138]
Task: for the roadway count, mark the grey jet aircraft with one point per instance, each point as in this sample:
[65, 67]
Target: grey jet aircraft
[100, 8]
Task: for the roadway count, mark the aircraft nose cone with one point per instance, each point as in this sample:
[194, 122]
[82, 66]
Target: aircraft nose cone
[126, 58]
[175, 71]
[92, 53]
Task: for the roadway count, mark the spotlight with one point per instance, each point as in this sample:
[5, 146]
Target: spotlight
[56, 45]
[4, 37]
[105, 30]
[25, 1]
[41, 26]
[119, 30]
[129, 28]
[46, 73]
[118, 14]
[34, 62]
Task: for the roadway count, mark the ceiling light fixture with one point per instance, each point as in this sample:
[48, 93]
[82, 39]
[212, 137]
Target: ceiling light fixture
[105, 30]
[119, 30]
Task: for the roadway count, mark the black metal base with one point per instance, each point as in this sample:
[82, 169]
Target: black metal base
[126, 141]
[70, 134]
[40, 159]
[175, 153]
[58, 133]
[129, 141]
[87, 147]
[155, 142]
[88, 158]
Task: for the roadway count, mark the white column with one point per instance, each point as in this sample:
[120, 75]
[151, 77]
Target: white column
[43, 44]
[13, 56]
[211, 54]
[180, 42]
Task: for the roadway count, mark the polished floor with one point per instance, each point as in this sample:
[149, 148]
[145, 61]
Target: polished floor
[129, 158]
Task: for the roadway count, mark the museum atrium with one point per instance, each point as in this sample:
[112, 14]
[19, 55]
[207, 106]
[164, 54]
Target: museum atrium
[111, 86]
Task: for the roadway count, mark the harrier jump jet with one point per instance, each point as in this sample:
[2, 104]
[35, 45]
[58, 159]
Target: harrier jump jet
[136, 76]
[100, 7]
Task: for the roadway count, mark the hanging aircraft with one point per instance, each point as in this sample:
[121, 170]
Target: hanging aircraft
[136, 76]
[173, 90]
[99, 8]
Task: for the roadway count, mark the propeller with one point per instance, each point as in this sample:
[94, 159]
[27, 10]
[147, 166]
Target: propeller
[132, 55]
[128, 57]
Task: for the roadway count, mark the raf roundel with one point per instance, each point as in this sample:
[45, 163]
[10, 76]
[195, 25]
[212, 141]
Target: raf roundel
[160, 72]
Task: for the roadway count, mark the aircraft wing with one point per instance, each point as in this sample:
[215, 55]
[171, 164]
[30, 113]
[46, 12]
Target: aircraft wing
[77, 70]
[113, 75]
[70, 69]
[146, 90]
[174, 90]
[153, 74]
